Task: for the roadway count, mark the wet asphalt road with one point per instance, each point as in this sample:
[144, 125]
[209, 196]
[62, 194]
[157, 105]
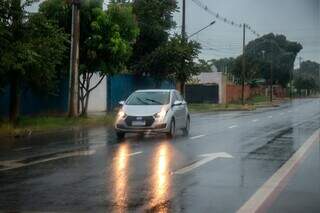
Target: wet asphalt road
[226, 158]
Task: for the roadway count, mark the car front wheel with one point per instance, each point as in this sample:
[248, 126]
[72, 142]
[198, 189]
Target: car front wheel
[186, 130]
[172, 130]
[120, 135]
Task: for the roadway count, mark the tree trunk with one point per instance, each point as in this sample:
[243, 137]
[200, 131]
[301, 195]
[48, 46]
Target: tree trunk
[14, 100]
[85, 91]
[85, 110]
[182, 88]
[242, 93]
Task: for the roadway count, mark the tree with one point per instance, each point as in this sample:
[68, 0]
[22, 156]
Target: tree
[274, 55]
[310, 68]
[204, 66]
[302, 82]
[251, 73]
[109, 47]
[106, 39]
[155, 19]
[307, 77]
[223, 64]
[30, 53]
[165, 61]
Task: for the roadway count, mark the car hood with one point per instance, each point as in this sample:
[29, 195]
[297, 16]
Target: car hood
[142, 110]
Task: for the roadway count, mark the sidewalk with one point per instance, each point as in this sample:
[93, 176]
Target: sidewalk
[302, 192]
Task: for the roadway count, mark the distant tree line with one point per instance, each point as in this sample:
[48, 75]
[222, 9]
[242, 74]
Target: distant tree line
[307, 77]
[270, 57]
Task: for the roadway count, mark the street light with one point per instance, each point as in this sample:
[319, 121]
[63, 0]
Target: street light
[212, 23]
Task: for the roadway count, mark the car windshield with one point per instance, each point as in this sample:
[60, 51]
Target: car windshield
[149, 98]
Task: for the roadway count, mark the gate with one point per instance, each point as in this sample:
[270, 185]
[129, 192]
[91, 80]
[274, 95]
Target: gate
[200, 93]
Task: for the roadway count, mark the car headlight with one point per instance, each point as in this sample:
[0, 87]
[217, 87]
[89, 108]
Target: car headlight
[121, 114]
[160, 115]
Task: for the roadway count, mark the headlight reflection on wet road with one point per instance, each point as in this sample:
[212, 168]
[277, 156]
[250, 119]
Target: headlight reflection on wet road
[161, 179]
[120, 171]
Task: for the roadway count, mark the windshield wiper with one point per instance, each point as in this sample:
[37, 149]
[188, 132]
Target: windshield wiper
[154, 101]
[139, 99]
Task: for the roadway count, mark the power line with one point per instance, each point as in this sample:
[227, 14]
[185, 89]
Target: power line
[224, 19]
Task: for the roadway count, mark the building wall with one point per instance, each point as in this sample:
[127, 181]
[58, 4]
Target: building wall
[234, 92]
[97, 99]
[215, 78]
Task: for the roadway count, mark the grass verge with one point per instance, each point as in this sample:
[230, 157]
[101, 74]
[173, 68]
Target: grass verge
[28, 125]
[251, 104]
[206, 107]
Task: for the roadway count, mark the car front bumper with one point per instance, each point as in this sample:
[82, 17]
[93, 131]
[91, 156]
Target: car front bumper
[157, 126]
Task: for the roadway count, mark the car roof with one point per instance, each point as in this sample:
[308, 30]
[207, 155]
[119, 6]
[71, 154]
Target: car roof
[155, 90]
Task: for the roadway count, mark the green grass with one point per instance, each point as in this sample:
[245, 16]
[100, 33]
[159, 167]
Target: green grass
[206, 107]
[258, 99]
[25, 125]
[251, 104]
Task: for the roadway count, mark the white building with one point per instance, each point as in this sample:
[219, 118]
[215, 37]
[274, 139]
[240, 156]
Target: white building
[214, 77]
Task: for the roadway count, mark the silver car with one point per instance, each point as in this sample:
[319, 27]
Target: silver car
[162, 111]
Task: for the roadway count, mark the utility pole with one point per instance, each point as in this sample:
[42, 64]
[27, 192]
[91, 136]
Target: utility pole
[271, 80]
[266, 82]
[291, 79]
[243, 64]
[183, 27]
[184, 38]
[300, 61]
[74, 60]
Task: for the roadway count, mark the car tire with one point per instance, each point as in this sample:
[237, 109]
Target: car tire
[120, 135]
[186, 130]
[172, 130]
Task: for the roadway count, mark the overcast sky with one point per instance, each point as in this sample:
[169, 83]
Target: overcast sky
[299, 20]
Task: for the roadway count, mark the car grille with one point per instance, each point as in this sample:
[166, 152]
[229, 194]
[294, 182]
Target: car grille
[148, 119]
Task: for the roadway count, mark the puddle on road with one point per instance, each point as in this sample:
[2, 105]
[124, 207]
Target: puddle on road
[279, 148]
[263, 161]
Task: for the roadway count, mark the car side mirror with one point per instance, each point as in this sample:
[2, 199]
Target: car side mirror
[121, 103]
[177, 103]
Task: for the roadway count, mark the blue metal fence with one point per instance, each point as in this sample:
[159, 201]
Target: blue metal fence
[119, 87]
[32, 103]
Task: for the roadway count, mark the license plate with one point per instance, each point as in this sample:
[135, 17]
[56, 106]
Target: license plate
[138, 123]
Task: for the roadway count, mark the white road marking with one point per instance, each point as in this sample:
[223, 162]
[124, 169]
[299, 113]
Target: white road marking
[135, 153]
[255, 120]
[233, 126]
[207, 158]
[14, 164]
[270, 186]
[197, 136]
[22, 148]
[270, 116]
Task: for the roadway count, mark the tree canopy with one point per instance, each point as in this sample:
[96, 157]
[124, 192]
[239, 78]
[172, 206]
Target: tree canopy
[31, 49]
[271, 52]
[307, 77]
[155, 19]
[166, 60]
[106, 38]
